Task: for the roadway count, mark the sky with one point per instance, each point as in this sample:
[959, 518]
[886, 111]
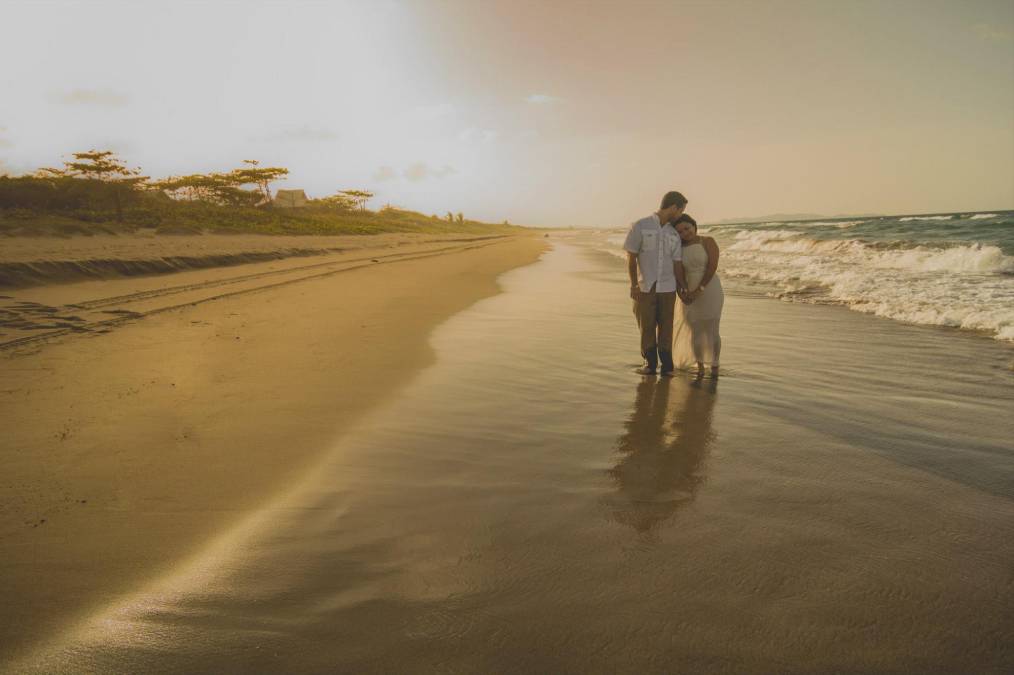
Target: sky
[541, 113]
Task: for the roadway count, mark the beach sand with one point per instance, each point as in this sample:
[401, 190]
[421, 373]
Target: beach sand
[159, 415]
[518, 499]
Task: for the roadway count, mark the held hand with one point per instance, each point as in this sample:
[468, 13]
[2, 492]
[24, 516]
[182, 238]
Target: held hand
[635, 293]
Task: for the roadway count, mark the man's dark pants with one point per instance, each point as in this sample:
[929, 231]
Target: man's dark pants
[654, 313]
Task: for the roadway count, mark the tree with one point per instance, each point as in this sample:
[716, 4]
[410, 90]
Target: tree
[261, 177]
[224, 188]
[340, 201]
[359, 197]
[102, 166]
[217, 188]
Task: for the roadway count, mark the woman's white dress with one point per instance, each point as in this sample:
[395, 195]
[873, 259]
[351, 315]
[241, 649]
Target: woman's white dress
[696, 338]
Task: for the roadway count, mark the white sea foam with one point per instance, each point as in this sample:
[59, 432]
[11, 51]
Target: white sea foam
[968, 286]
[983, 216]
[908, 218]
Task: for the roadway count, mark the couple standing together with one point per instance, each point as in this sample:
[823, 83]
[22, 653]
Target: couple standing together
[666, 259]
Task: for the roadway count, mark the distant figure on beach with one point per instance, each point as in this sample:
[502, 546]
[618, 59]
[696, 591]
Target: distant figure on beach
[697, 338]
[654, 262]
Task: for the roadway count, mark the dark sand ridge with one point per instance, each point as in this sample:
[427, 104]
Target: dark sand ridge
[34, 261]
[123, 452]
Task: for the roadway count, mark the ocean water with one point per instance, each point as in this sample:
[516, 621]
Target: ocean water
[834, 503]
[953, 270]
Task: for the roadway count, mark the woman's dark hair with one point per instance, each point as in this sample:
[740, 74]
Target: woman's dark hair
[685, 219]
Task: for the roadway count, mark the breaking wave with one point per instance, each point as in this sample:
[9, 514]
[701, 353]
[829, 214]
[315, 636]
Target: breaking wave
[963, 285]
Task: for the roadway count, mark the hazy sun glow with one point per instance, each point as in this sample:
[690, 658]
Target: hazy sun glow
[561, 113]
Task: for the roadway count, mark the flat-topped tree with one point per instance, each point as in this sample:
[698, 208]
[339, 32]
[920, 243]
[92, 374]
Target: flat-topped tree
[104, 166]
[340, 201]
[358, 197]
[216, 188]
[254, 174]
[224, 188]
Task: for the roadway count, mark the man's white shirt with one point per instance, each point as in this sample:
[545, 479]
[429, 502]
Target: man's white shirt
[657, 246]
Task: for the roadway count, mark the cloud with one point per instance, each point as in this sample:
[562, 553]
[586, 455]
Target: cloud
[4, 143]
[385, 173]
[100, 97]
[303, 134]
[421, 171]
[542, 99]
[994, 33]
[474, 135]
[436, 111]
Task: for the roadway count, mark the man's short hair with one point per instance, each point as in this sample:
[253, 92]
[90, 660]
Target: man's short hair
[685, 218]
[673, 199]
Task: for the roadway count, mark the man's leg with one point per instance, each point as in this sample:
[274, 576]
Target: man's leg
[647, 321]
[666, 303]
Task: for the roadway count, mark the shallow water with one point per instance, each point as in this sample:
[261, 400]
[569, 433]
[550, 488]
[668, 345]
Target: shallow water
[843, 499]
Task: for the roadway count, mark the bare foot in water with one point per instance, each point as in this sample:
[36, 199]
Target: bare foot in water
[714, 372]
[700, 370]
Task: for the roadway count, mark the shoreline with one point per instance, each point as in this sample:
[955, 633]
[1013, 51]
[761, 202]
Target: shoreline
[144, 442]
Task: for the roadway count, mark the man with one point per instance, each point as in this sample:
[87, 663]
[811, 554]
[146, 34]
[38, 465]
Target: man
[655, 265]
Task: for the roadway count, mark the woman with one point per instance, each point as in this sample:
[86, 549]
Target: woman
[696, 334]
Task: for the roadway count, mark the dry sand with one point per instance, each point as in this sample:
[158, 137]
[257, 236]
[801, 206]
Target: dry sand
[156, 411]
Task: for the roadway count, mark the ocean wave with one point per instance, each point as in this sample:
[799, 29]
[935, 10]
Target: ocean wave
[910, 218]
[971, 258]
[974, 258]
[968, 286]
[841, 224]
[982, 216]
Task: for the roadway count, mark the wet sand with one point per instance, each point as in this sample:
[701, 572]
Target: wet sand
[175, 404]
[841, 500]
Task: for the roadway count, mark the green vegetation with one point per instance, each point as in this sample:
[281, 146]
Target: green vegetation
[98, 193]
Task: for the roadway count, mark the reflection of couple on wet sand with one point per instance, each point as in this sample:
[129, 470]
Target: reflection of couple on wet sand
[666, 259]
[662, 451]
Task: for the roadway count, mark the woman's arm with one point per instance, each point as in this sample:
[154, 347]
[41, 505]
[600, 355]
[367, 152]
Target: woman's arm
[712, 249]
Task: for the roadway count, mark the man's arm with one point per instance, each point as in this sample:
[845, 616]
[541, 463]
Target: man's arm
[635, 290]
[632, 244]
[681, 279]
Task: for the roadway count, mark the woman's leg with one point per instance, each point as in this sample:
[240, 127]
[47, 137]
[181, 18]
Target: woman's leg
[698, 339]
[717, 350]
